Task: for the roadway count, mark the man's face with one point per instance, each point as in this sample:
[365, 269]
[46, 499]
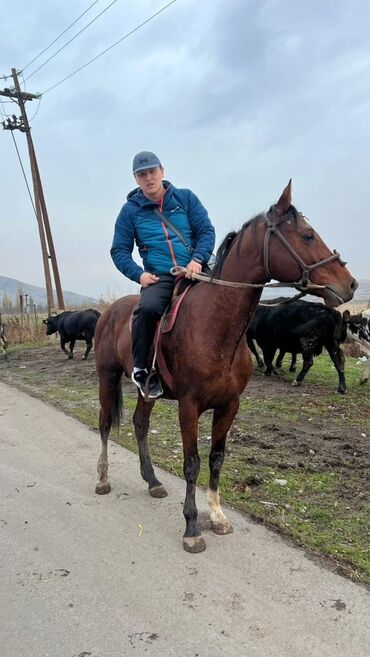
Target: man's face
[150, 181]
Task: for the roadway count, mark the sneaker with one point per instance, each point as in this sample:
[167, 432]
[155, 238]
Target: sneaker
[154, 388]
[139, 378]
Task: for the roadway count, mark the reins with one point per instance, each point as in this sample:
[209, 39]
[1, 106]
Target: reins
[176, 271]
[304, 285]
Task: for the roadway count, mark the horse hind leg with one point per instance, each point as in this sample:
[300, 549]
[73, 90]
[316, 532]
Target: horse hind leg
[110, 413]
[222, 420]
[141, 424]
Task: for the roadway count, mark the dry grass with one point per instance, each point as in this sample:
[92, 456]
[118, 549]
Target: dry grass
[23, 328]
[29, 328]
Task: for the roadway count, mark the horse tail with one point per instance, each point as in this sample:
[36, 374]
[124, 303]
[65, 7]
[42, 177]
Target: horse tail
[117, 406]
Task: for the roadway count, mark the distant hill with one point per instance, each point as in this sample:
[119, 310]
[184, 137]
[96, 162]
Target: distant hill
[363, 292]
[10, 287]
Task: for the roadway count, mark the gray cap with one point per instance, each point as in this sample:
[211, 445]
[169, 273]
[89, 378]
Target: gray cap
[145, 160]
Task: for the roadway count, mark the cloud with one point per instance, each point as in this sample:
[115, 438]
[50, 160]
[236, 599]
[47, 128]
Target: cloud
[236, 97]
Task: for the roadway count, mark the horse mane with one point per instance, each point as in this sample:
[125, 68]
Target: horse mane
[234, 236]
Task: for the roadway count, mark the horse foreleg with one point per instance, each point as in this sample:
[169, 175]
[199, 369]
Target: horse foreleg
[110, 393]
[188, 416]
[141, 424]
[222, 420]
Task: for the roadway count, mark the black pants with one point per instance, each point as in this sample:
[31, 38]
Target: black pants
[154, 300]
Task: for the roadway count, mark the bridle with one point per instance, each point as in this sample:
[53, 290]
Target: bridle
[305, 281]
[304, 285]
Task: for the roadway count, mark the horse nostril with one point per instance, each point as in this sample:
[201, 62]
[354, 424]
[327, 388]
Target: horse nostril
[354, 285]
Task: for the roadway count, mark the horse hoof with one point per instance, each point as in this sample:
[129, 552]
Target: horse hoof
[102, 488]
[221, 529]
[296, 383]
[158, 491]
[193, 544]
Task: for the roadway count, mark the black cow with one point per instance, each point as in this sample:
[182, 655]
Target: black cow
[298, 327]
[72, 326]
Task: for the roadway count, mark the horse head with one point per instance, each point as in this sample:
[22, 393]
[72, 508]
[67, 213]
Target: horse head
[295, 252]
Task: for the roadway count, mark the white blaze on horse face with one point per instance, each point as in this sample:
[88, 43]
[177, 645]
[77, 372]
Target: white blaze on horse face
[217, 515]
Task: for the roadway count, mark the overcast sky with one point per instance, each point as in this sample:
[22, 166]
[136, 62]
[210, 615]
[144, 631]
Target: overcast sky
[235, 97]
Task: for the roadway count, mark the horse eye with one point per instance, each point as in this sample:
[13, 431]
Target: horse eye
[308, 237]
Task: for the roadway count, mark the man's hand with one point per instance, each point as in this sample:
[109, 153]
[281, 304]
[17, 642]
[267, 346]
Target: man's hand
[193, 268]
[147, 279]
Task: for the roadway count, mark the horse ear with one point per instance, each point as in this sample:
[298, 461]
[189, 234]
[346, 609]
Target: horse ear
[285, 200]
[346, 315]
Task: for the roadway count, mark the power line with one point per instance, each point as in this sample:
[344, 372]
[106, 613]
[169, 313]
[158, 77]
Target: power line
[58, 37]
[38, 107]
[3, 111]
[24, 174]
[110, 47]
[70, 41]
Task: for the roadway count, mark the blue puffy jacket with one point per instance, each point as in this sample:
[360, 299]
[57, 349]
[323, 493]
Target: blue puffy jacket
[158, 246]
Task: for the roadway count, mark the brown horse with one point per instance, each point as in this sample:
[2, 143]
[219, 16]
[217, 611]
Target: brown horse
[206, 351]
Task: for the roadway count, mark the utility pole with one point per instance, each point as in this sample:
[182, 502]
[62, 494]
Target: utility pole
[46, 239]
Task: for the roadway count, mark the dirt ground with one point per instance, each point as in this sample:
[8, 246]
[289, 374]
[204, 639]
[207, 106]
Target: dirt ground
[329, 427]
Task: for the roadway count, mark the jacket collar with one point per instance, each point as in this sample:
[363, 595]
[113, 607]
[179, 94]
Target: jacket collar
[137, 196]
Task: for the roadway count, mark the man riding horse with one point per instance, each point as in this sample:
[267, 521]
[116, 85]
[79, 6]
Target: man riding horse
[171, 228]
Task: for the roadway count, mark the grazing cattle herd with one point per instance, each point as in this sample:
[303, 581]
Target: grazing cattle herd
[72, 326]
[298, 327]
[303, 327]
[283, 325]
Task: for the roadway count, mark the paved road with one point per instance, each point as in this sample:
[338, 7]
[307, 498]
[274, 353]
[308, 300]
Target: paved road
[89, 576]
